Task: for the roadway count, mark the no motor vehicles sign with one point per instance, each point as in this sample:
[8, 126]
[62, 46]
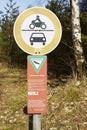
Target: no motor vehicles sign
[37, 31]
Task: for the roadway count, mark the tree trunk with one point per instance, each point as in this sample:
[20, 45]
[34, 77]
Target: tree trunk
[76, 36]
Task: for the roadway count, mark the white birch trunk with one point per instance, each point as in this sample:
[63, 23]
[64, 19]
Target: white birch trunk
[76, 35]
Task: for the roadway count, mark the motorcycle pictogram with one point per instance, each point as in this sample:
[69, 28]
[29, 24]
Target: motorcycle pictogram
[37, 23]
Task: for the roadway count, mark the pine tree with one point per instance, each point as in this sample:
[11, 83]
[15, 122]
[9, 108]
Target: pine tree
[7, 21]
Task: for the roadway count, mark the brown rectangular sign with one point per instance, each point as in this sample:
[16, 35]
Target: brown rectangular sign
[37, 84]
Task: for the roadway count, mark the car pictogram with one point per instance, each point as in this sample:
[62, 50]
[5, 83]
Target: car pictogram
[37, 37]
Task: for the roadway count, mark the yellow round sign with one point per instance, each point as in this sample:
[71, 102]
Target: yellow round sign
[37, 31]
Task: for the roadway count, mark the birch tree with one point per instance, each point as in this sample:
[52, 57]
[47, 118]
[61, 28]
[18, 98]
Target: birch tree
[76, 36]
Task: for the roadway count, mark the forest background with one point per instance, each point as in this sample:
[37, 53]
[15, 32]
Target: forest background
[63, 56]
[67, 91]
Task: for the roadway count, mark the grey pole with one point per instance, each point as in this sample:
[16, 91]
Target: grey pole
[36, 121]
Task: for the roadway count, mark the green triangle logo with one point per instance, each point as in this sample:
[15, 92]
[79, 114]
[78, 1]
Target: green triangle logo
[37, 62]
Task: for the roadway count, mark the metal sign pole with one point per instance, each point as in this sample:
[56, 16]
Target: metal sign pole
[30, 122]
[36, 122]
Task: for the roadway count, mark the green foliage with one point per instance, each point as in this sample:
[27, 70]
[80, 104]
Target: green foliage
[62, 10]
[62, 56]
[83, 18]
[84, 39]
[83, 26]
[8, 18]
[10, 48]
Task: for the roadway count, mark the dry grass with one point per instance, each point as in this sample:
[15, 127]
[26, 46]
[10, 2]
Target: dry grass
[67, 102]
[12, 98]
[67, 106]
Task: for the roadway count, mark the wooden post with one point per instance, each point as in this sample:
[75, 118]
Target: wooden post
[37, 122]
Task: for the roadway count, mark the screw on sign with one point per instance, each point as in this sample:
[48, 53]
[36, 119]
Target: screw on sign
[37, 31]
